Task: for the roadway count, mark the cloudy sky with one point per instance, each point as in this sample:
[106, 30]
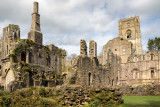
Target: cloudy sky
[65, 22]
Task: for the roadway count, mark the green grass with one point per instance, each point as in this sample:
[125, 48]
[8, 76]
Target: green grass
[141, 101]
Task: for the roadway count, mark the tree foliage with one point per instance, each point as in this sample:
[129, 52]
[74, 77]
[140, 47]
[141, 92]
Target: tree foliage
[154, 44]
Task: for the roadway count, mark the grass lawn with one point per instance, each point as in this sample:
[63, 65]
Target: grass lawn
[141, 101]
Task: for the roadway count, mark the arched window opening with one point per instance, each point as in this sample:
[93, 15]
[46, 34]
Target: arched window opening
[23, 56]
[89, 79]
[136, 75]
[128, 24]
[151, 56]
[7, 49]
[112, 82]
[152, 73]
[129, 34]
[30, 57]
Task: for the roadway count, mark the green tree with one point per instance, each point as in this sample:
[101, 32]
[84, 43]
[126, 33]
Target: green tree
[154, 44]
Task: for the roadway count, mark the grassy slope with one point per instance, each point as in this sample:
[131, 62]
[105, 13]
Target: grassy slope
[141, 101]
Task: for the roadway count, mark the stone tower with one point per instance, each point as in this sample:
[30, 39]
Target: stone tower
[7, 43]
[130, 29]
[35, 32]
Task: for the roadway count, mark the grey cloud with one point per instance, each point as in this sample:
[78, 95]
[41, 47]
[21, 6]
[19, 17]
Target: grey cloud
[65, 22]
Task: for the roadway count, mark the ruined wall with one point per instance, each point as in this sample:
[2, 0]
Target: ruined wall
[83, 48]
[92, 49]
[118, 46]
[10, 34]
[88, 72]
[141, 69]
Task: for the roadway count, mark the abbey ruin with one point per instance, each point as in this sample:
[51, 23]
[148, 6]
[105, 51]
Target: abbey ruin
[27, 62]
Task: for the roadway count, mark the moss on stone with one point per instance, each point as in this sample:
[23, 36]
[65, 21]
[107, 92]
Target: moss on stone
[22, 44]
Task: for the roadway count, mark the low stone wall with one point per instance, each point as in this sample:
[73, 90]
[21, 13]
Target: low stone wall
[141, 90]
[85, 96]
[61, 97]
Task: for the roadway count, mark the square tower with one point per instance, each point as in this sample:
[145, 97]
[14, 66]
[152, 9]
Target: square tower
[130, 29]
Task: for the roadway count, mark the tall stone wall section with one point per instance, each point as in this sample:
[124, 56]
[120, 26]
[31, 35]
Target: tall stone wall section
[88, 72]
[92, 49]
[83, 48]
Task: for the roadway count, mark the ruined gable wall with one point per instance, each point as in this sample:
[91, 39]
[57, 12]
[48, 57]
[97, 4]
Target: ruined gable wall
[118, 46]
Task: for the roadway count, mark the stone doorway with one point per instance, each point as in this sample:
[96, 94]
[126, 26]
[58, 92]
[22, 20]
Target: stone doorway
[89, 79]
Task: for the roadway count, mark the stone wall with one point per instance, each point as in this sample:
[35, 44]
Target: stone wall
[141, 69]
[63, 96]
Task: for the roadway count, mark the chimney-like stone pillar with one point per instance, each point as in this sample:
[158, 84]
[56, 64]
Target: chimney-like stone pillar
[83, 48]
[35, 32]
[92, 49]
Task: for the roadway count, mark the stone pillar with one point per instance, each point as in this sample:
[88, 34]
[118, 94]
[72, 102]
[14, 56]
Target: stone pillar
[83, 48]
[35, 7]
[92, 49]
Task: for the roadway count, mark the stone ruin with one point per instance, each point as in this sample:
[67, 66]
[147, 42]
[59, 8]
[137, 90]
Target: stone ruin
[88, 72]
[27, 62]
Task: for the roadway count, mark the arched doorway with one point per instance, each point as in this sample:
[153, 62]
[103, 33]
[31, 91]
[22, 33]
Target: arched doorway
[89, 79]
[23, 56]
[152, 73]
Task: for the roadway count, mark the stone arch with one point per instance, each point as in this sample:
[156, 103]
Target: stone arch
[23, 56]
[129, 32]
[152, 73]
